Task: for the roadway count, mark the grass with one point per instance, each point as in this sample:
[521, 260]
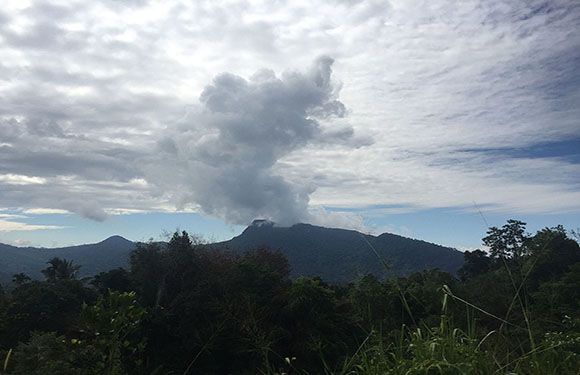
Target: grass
[448, 350]
[6, 361]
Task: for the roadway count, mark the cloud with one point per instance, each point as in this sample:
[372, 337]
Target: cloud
[108, 107]
[88, 209]
[44, 211]
[337, 219]
[15, 179]
[11, 226]
[226, 153]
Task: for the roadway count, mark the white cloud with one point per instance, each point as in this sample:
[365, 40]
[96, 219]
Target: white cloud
[120, 211]
[95, 94]
[16, 179]
[11, 226]
[44, 211]
[11, 216]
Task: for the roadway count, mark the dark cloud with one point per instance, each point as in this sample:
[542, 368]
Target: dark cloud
[45, 149]
[88, 209]
[69, 171]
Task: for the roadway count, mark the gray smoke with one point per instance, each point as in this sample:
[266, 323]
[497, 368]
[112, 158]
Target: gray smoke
[223, 157]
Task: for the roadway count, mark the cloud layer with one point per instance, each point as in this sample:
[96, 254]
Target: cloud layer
[161, 105]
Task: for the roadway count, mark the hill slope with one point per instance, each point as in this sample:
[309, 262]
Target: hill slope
[339, 255]
[94, 258]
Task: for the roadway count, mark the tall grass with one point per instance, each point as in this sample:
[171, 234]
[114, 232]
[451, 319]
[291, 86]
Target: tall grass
[6, 361]
[449, 350]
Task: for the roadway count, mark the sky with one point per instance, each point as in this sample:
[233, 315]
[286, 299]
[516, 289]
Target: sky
[429, 119]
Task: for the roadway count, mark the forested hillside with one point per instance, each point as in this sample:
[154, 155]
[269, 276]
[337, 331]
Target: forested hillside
[94, 258]
[342, 256]
[185, 309]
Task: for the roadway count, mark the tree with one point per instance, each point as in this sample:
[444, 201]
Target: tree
[112, 326]
[110, 342]
[180, 242]
[553, 253]
[3, 318]
[374, 303]
[476, 263]
[319, 328]
[45, 306]
[118, 279]
[561, 297]
[20, 278]
[262, 272]
[147, 272]
[49, 353]
[60, 269]
[575, 233]
[3, 302]
[511, 241]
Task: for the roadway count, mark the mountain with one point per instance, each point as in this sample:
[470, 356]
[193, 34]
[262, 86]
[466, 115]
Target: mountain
[93, 258]
[339, 255]
[336, 255]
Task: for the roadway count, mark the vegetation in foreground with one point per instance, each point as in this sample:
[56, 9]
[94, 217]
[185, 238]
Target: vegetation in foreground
[187, 309]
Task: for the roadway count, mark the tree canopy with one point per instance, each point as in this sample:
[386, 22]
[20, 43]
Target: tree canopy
[183, 308]
[60, 269]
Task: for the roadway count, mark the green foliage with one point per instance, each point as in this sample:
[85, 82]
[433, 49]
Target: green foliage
[20, 278]
[3, 299]
[476, 263]
[509, 241]
[48, 353]
[441, 350]
[3, 319]
[118, 279]
[206, 304]
[180, 242]
[446, 350]
[561, 297]
[110, 326]
[375, 303]
[44, 306]
[146, 271]
[197, 309]
[60, 269]
[106, 345]
[552, 254]
[564, 345]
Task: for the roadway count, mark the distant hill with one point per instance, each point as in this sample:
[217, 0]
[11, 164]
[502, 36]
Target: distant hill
[338, 255]
[93, 258]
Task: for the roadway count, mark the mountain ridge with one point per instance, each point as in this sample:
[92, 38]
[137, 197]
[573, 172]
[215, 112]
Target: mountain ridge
[334, 254]
[112, 252]
[342, 255]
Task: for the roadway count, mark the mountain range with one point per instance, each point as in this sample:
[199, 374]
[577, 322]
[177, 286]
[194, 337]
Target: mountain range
[335, 255]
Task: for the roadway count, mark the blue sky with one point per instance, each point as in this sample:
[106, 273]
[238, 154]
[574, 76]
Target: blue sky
[422, 118]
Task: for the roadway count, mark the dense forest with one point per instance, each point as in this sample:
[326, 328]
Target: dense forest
[187, 308]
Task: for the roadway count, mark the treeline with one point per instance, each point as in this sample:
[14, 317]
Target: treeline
[184, 308]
